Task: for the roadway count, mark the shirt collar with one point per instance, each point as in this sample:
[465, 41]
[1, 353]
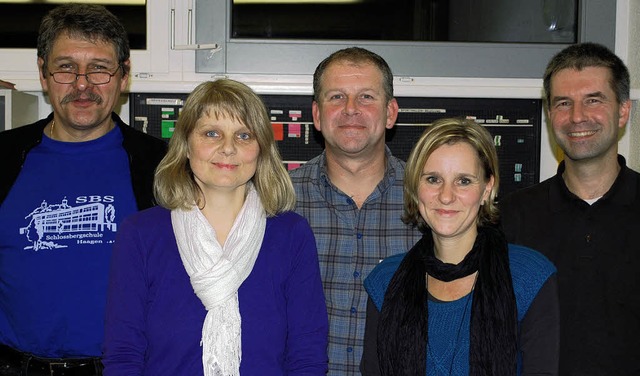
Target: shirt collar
[392, 166]
[622, 192]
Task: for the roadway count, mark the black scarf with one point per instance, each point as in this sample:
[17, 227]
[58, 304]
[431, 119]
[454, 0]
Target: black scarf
[403, 325]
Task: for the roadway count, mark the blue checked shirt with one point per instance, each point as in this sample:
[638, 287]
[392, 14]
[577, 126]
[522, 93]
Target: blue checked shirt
[351, 242]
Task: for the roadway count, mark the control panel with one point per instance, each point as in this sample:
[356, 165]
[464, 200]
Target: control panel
[515, 125]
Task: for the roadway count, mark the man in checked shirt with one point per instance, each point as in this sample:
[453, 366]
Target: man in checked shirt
[351, 194]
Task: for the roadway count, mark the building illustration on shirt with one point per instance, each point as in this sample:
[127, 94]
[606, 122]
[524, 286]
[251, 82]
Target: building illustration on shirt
[52, 223]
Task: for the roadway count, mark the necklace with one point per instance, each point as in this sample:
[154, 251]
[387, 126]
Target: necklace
[457, 337]
[53, 124]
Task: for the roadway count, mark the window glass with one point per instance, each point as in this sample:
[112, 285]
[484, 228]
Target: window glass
[19, 21]
[512, 21]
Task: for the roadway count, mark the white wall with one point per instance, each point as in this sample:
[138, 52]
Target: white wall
[633, 62]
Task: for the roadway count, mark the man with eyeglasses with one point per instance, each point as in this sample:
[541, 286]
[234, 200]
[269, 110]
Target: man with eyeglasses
[66, 182]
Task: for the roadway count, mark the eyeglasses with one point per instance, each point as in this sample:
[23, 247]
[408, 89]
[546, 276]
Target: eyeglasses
[94, 78]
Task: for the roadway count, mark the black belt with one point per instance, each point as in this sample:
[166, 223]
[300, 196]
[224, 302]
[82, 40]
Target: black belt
[30, 365]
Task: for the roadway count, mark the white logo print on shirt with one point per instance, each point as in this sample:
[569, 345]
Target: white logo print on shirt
[53, 223]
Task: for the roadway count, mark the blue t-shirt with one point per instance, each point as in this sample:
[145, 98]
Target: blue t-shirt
[57, 228]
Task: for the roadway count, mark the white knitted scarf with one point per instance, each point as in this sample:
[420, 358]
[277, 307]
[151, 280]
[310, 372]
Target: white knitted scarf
[216, 273]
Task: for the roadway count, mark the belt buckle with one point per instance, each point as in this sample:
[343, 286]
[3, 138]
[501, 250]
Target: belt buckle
[53, 365]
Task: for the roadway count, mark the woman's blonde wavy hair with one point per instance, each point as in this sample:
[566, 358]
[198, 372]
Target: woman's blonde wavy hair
[174, 184]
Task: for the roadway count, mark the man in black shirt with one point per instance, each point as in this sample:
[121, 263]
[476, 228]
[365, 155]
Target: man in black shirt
[586, 218]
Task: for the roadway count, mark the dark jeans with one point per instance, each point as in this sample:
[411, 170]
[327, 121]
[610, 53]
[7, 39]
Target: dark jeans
[16, 363]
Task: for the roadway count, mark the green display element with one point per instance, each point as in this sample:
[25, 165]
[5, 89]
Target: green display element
[167, 128]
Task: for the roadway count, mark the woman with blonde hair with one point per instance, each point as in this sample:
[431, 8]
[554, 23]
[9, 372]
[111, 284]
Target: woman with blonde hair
[462, 301]
[221, 278]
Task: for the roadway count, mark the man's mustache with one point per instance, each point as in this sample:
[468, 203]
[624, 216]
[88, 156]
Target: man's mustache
[86, 96]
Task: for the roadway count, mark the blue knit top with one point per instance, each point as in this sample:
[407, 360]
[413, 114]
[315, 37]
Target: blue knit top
[449, 322]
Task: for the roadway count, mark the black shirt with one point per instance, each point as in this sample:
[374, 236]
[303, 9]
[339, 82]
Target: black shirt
[597, 253]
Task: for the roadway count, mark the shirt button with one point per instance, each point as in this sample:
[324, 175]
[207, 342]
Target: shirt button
[359, 235]
[588, 238]
[356, 274]
[349, 349]
[353, 310]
